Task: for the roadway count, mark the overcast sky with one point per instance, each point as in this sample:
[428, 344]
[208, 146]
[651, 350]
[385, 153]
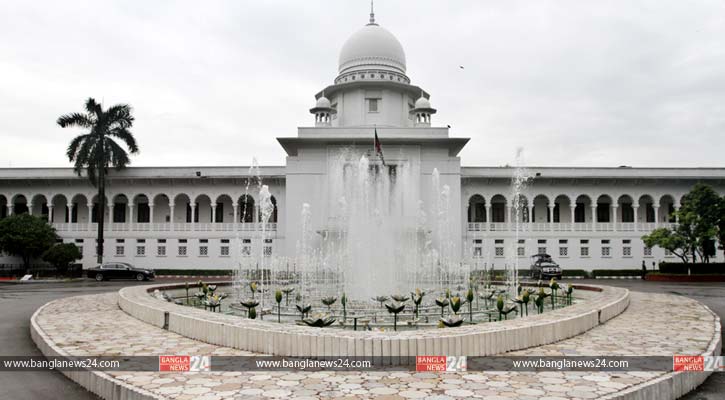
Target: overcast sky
[576, 83]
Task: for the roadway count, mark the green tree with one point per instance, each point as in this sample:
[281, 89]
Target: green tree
[700, 214]
[670, 240]
[96, 150]
[26, 236]
[699, 218]
[61, 256]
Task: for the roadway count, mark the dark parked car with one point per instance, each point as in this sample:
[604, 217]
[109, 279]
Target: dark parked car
[120, 270]
[543, 267]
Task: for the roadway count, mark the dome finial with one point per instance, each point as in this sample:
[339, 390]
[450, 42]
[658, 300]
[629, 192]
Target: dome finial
[372, 14]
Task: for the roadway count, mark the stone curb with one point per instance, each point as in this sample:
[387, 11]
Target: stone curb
[96, 382]
[674, 385]
[292, 340]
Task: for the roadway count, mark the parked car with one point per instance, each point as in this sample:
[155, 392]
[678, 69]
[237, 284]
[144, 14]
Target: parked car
[544, 267]
[120, 270]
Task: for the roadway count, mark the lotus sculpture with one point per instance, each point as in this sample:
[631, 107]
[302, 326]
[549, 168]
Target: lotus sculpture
[456, 304]
[250, 304]
[569, 291]
[381, 300]
[287, 290]
[554, 285]
[319, 320]
[452, 321]
[442, 302]
[328, 301]
[399, 298]
[304, 309]
[417, 298]
[395, 309]
[212, 303]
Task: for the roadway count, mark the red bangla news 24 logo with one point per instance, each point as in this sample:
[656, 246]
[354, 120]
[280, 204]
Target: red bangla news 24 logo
[185, 363]
[698, 363]
[441, 363]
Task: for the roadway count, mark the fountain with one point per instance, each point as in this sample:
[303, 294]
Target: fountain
[379, 242]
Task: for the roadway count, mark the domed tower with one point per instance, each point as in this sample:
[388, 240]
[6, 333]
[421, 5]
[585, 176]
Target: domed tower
[323, 111]
[372, 88]
[422, 111]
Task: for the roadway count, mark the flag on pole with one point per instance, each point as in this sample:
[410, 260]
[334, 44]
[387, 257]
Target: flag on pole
[378, 146]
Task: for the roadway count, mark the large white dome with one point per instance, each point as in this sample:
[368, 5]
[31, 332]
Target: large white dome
[372, 47]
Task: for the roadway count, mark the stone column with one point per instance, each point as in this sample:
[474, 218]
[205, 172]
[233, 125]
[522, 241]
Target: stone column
[171, 215]
[10, 209]
[130, 221]
[489, 214]
[551, 218]
[70, 212]
[508, 217]
[614, 216]
[531, 215]
[235, 206]
[635, 208]
[110, 215]
[676, 207]
[89, 205]
[50, 213]
[594, 218]
[213, 216]
[151, 213]
[572, 211]
[30, 208]
[657, 215]
[193, 215]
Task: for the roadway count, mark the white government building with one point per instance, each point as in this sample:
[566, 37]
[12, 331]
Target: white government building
[191, 217]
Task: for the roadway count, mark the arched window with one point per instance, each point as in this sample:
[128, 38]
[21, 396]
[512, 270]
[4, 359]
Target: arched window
[246, 209]
[476, 209]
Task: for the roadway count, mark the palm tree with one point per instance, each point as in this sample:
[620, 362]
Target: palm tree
[97, 149]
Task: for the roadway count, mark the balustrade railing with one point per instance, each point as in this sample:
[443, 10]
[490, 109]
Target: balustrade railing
[568, 226]
[165, 227]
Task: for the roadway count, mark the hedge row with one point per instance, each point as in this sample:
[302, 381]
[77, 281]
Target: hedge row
[194, 272]
[694, 269]
[615, 272]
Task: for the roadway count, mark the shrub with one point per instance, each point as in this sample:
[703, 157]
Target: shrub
[61, 256]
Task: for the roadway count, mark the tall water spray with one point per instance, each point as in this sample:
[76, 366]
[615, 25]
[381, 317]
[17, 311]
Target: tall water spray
[519, 182]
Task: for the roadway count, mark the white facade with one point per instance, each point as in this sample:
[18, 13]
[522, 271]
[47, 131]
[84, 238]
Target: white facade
[191, 217]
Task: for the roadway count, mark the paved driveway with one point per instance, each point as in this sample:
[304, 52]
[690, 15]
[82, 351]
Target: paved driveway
[18, 302]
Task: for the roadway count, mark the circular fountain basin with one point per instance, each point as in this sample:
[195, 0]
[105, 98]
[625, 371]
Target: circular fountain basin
[596, 305]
